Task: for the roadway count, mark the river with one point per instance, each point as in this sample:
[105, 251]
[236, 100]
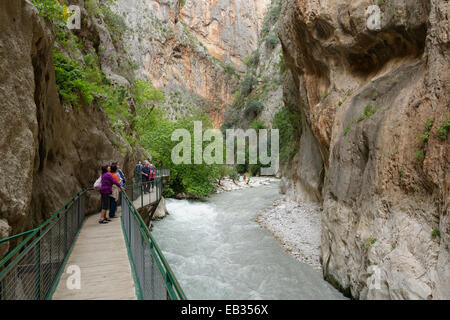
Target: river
[218, 251]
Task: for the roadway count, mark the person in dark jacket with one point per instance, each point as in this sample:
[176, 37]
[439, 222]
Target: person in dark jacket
[146, 177]
[106, 190]
[139, 168]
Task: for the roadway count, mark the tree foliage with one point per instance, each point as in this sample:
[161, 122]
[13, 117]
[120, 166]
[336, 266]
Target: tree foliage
[193, 179]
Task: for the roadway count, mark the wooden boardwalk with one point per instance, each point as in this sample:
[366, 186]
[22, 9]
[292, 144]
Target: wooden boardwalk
[101, 253]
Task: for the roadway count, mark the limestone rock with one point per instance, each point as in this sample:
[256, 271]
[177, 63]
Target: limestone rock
[21, 62]
[161, 210]
[4, 233]
[169, 54]
[364, 96]
[49, 152]
[228, 28]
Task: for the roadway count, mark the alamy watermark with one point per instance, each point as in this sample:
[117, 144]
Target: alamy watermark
[74, 21]
[373, 14]
[258, 147]
[74, 280]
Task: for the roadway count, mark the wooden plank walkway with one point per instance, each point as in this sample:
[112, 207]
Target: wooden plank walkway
[101, 253]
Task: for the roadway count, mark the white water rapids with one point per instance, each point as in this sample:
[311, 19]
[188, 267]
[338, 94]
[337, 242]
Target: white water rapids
[218, 251]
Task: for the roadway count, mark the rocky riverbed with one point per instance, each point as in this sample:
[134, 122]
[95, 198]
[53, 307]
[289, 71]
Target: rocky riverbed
[228, 184]
[297, 226]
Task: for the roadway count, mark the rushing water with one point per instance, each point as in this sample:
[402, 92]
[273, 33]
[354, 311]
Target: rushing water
[218, 251]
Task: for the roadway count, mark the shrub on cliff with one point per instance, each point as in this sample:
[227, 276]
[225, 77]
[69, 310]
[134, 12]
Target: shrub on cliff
[72, 80]
[52, 10]
[254, 108]
[272, 40]
[252, 60]
[115, 23]
[443, 128]
[247, 86]
[286, 122]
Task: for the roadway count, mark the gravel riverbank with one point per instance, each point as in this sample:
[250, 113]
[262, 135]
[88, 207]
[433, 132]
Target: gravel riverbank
[297, 226]
[227, 184]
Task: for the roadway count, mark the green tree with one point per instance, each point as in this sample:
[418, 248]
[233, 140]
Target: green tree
[194, 179]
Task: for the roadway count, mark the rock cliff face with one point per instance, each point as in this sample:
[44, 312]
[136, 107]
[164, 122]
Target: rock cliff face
[48, 152]
[228, 28]
[263, 76]
[365, 96]
[167, 51]
[365, 91]
[51, 151]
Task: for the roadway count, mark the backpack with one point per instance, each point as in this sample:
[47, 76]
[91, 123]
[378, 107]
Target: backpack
[98, 183]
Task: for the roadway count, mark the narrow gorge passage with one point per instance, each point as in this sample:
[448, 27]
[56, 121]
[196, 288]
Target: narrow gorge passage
[218, 251]
[354, 95]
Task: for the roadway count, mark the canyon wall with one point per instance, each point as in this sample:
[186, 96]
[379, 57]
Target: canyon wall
[49, 151]
[365, 95]
[185, 58]
[262, 80]
[229, 29]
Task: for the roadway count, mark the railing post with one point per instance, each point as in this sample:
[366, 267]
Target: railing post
[38, 269]
[50, 249]
[142, 261]
[132, 193]
[79, 212]
[65, 231]
[129, 223]
[2, 295]
[159, 188]
[142, 195]
[156, 188]
[168, 283]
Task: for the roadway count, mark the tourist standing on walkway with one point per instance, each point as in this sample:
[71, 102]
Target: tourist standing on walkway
[123, 181]
[106, 190]
[139, 168]
[146, 177]
[115, 193]
[152, 175]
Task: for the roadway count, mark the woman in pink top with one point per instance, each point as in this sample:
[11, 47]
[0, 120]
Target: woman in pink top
[106, 190]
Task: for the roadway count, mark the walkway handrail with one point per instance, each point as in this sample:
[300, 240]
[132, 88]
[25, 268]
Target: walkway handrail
[17, 235]
[31, 270]
[142, 267]
[144, 251]
[139, 188]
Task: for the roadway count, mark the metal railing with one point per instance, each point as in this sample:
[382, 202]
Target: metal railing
[148, 192]
[153, 276]
[32, 269]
